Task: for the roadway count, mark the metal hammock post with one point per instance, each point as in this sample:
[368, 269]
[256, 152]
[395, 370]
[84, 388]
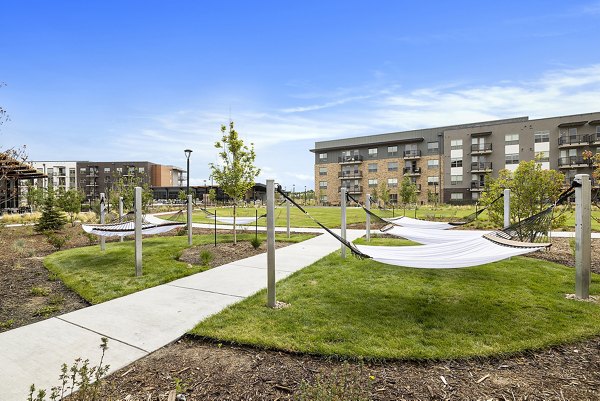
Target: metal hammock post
[343, 228]
[583, 236]
[189, 219]
[256, 225]
[287, 205]
[368, 223]
[120, 215]
[137, 206]
[271, 302]
[506, 208]
[215, 227]
[102, 220]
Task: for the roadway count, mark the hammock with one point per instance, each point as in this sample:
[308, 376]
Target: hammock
[427, 236]
[229, 220]
[465, 253]
[404, 221]
[150, 225]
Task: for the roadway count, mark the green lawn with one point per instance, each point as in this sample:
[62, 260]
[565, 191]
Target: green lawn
[330, 216]
[100, 276]
[361, 308]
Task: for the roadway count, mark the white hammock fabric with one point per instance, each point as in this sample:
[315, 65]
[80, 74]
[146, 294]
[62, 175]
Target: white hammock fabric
[238, 220]
[150, 225]
[449, 255]
[423, 224]
[429, 236]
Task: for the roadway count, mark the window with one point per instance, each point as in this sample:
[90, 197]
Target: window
[72, 172]
[456, 179]
[141, 169]
[392, 182]
[323, 184]
[433, 147]
[573, 131]
[392, 166]
[475, 195]
[433, 179]
[373, 152]
[456, 144]
[511, 139]
[323, 157]
[392, 150]
[394, 198]
[322, 170]
[372, 167]
[597, 129]
[543, 156]
[372, 183]
[324, 199]
[542, 136]
[455, 162]
[435, 163]
[106, 170]
[82, 170]
[512, 158]
[50, 171]
[456, 196]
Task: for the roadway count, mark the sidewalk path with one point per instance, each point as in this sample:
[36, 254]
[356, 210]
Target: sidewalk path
[141, 323]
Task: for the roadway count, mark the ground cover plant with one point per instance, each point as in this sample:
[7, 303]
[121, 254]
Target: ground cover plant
[100, 276]
[364, 309]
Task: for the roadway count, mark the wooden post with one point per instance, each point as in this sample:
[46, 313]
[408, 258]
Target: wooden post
[506, 208]
[137, 207]
[102, 219]
[271, 300]
[583, 236]
[287, 203]
[368, 207]
[189, 219]
[120, 215]
[343, 228]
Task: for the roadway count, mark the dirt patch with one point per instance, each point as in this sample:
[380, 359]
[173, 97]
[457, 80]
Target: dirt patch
[562, 251]
[224, 253]
[211, 371]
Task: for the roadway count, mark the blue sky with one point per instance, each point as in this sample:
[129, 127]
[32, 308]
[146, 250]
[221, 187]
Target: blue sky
[144, 80]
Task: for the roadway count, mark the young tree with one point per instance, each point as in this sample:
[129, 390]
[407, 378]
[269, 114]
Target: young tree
[124, 187]
[181, 195]
[384, 194]
[374, 197]
[408, 192]
[238, 173]
[212, 195]
[531, 191]
[34, 196]
[70, 202]
[52, 218]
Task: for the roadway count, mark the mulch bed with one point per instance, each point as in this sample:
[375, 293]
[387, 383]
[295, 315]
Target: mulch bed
[211, 371]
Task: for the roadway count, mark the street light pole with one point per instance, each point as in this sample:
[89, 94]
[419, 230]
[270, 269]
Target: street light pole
[188, 152]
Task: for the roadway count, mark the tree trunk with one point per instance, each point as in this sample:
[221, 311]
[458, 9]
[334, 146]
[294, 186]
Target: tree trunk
[234, 229]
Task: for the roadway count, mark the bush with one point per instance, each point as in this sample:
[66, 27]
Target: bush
[40, 291]
[57, 241]
[205, 257]
[52, 219]
[255, 242]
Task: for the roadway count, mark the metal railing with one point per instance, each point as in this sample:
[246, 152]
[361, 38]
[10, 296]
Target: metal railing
[411, 153]
[350, 159]
[481, 147]
[411, 170]
[350, 174]
[477, 184]
[352, 189]
[573, 161]
[574, 140]
[481, 166]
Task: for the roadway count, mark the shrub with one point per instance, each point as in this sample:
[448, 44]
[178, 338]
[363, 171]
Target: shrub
[205, 257]
[57, 241]
[344, 384]
[80, 374]
[40, 291]
[7, 324]
[255, 242]
[92, 239]
[52, 219]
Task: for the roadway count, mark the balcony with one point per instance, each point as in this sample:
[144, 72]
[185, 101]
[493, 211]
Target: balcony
[595, 138]
[92, 174]
[481, 167]
[412, 171]
[477, 186]
[418, 188]
[573, 162]
[571, 141]
[352, 189]
[412, 154]
[350, 159]
[346, 175]
[481, 148]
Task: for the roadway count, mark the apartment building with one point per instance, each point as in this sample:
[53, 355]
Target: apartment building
[94, 178]
[452, 162]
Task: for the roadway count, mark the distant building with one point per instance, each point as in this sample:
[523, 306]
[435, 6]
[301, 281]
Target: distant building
[452, 162]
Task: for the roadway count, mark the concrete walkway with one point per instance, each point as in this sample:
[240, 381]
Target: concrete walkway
[141, 323]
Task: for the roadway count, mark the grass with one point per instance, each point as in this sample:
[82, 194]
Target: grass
[100, 276]
[363, 309]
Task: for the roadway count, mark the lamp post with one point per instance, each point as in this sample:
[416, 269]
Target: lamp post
[188, 152]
